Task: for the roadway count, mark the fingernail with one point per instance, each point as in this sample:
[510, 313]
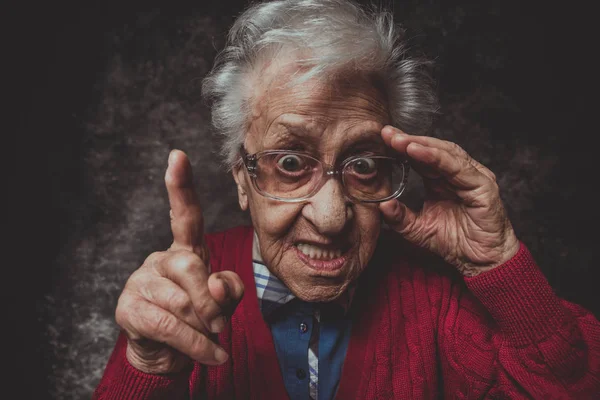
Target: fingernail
[397, 137]
[171, 156]
[398, 211]
[394, 210]
[218, 324]
[220, 355]
[225, 288]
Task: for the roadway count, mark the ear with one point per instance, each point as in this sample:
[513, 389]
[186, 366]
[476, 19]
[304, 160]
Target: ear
[240, 180]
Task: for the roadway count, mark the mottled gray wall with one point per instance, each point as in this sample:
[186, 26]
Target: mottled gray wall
[109, 91]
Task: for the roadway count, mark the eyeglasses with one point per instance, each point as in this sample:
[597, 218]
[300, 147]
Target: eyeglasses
[293, 176]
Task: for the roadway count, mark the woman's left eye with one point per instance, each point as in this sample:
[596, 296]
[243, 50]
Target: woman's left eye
[364, 166]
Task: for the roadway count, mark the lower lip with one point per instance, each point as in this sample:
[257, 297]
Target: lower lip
[321, 265]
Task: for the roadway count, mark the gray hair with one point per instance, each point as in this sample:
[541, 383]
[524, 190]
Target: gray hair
[330, 36]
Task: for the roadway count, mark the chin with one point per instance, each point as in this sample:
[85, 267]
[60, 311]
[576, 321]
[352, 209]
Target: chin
[314, 278]
[320, 291]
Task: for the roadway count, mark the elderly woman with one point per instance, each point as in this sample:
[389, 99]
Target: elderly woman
[322, 110]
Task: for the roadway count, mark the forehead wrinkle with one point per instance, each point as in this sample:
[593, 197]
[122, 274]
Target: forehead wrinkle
[330, 101]
[326, 111]
[292, 128]
[323, 116]
[357, 134]
[329, 139]
[281, 138]
[365, 136]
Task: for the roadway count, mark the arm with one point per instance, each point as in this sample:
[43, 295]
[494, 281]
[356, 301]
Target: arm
[123, 381]
[171, 307]
[508, 334]
[524, 342]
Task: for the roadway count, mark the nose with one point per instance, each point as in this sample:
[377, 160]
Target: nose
[328, 210]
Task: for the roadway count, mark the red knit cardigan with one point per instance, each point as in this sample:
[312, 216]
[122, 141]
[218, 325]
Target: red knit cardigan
[419, 331]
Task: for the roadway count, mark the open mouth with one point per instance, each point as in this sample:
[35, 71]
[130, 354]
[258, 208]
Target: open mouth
[318, 252]
[321, 257]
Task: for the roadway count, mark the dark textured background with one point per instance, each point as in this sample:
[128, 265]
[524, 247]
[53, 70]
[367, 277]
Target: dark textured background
[103, 92]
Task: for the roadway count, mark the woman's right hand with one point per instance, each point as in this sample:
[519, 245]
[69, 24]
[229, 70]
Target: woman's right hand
[172, 305]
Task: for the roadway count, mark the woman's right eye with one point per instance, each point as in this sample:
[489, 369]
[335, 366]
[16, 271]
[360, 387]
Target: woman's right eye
[291, 163]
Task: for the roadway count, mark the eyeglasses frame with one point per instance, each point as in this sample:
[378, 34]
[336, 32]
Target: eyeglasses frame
[250, 161]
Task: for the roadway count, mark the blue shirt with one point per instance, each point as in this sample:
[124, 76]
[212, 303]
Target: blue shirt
[311, 339]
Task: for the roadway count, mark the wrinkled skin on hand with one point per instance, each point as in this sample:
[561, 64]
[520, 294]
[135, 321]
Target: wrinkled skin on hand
[171, 305]
[463, 219]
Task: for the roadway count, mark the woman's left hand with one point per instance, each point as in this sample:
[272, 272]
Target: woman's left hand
[463, 219]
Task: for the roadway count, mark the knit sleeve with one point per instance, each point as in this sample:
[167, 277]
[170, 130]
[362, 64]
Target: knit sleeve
[123, 381]
[510, 336]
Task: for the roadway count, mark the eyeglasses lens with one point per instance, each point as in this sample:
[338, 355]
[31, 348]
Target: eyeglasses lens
[294, 176]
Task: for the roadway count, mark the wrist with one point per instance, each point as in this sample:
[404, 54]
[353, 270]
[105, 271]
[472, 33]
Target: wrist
[510, 249]
[159, 362]
[505, 253]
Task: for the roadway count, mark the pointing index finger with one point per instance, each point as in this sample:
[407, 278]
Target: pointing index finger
[187, 222]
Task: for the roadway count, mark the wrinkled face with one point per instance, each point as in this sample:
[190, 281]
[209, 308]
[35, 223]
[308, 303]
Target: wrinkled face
[319, 246]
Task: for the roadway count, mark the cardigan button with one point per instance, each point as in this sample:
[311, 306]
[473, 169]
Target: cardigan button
[300, 374]
[303, 327]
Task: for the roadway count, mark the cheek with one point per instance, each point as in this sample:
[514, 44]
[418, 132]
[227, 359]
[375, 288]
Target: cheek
[272, 220]
[368, 224]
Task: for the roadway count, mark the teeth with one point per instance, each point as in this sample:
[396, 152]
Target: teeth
[317, 253]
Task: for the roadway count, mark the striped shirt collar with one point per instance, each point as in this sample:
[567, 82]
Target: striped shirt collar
[273, 294]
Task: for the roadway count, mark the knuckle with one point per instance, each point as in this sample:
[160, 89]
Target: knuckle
[185, 261]
[121, 315]
[484, 196]
[217, 325]
[465, 164]
[179, 302]
[153, 259]
[205, 308]
[164, 323]
[126, 307]
[435, 151]
[201, 347]
[457, 149]
[122, 306]
[137, 280]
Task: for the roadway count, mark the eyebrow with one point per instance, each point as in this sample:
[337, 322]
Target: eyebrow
[365, 141]
[296, 134]
[298, 130]
[293, 134]
[368, 135]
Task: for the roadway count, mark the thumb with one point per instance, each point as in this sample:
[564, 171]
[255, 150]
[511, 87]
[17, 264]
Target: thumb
[227, 289]
[400, 218]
